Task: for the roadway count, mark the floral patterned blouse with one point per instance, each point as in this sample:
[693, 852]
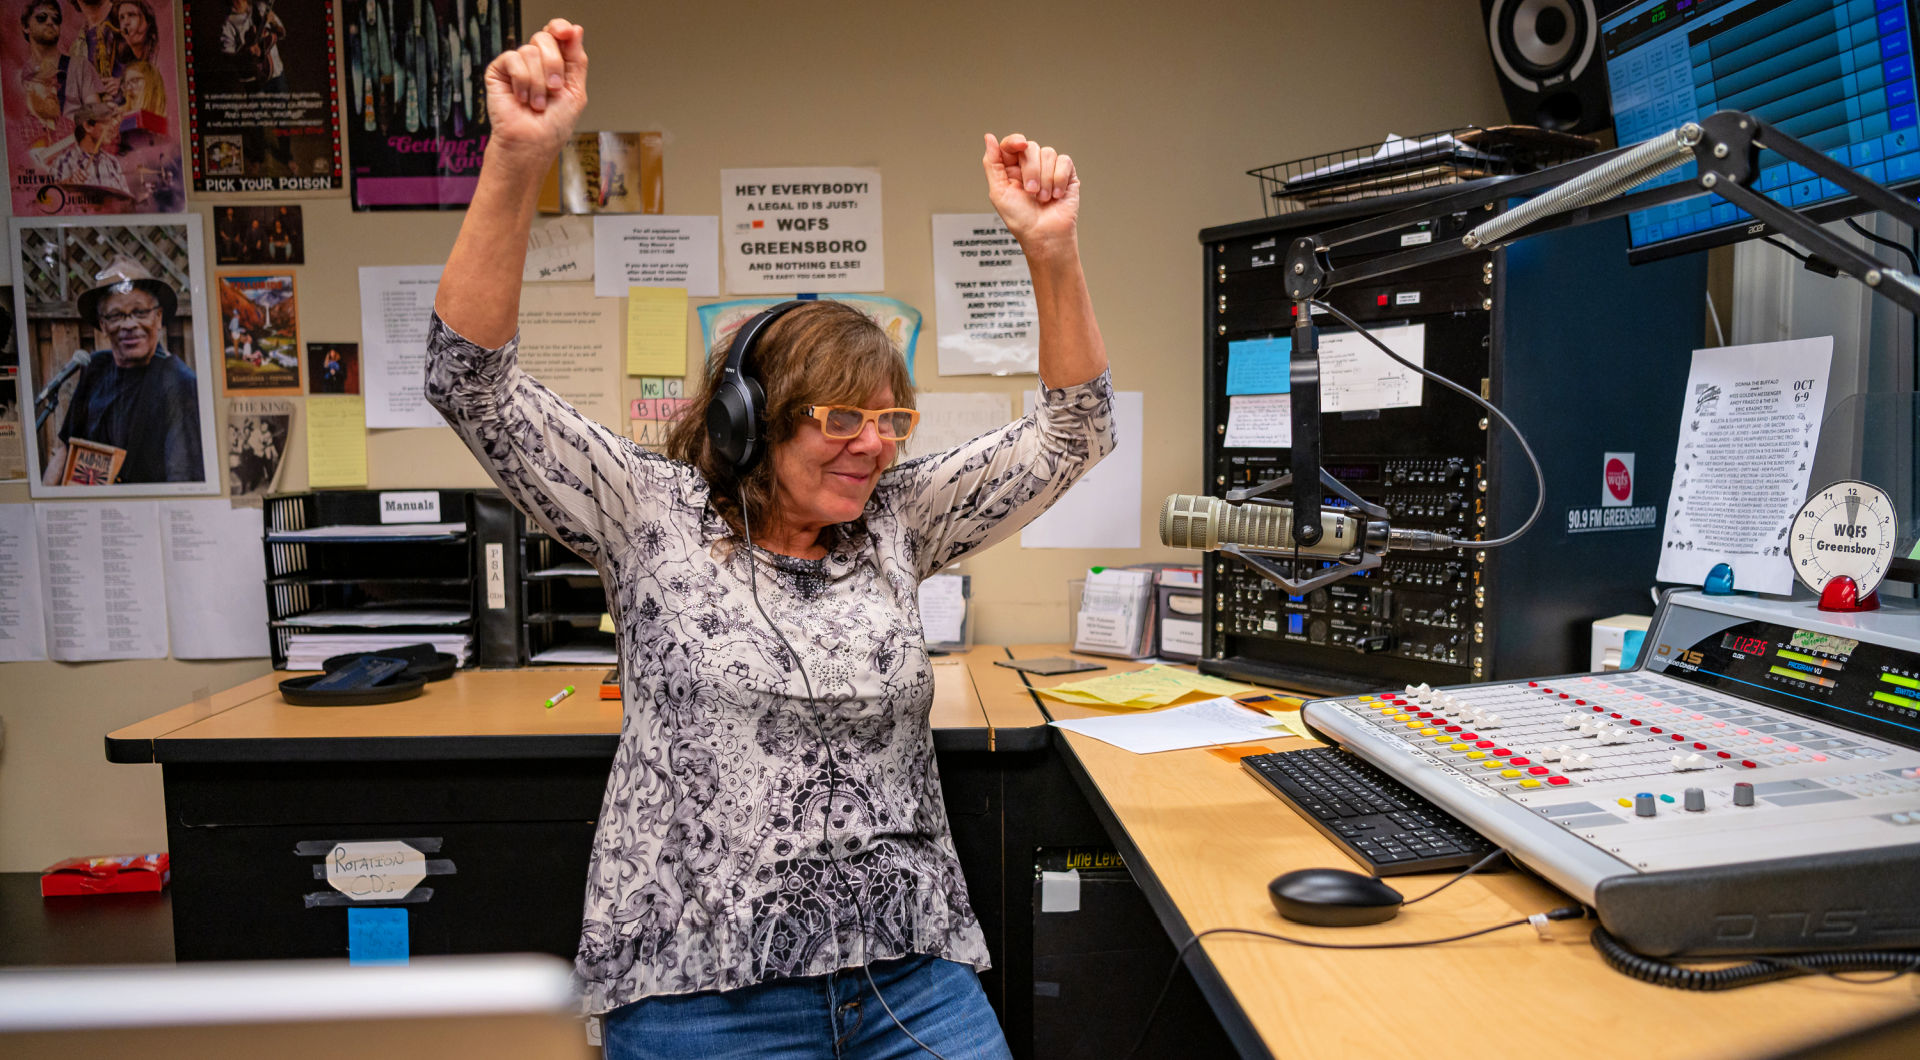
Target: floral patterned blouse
[749, 831]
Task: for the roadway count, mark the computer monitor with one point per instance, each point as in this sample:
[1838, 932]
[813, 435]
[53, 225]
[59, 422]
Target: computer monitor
[1838, 75]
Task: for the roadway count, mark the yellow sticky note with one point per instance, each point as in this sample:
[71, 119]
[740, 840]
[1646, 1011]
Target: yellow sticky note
[656, 331]
[336, 441]
[1294, 723]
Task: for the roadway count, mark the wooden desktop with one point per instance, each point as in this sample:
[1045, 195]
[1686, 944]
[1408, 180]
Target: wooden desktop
[1203, 839]
[247, 775]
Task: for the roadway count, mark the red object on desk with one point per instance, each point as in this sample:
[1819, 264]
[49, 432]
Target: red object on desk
[118, 874]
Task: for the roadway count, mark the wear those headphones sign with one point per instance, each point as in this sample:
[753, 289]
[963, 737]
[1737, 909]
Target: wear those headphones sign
[802, 229]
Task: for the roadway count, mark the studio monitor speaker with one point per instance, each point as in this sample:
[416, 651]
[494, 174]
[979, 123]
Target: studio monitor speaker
[1547, 56]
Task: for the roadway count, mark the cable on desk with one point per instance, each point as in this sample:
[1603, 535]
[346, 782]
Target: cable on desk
[1570, 912]
[1831, 963]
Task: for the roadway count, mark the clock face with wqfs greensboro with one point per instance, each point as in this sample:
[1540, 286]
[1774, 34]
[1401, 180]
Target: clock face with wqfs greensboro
[1846, 529]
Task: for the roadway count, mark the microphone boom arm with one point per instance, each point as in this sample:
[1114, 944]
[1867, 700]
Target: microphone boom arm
[1725, 147]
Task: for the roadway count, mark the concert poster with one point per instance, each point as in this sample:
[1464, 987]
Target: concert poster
[110, 316]
[263, 112]
[416, 97]
[259, 235]
[89, 99]
[333, 368]
[260, 334]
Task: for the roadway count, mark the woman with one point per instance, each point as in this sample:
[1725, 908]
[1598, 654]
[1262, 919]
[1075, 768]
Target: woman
[773, 857]
[140, 79]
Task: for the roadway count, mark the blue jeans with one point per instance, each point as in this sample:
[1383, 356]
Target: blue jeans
[820, 1017]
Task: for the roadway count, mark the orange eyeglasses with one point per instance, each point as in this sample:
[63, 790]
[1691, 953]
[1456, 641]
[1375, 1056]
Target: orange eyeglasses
[845, 421]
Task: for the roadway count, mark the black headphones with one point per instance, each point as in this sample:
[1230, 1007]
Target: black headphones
[739, 402]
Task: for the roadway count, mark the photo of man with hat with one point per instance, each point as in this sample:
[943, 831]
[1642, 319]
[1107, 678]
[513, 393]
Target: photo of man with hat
[133, 395]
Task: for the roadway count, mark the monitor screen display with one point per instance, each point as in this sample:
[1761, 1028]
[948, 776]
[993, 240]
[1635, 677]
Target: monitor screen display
[1838, 75]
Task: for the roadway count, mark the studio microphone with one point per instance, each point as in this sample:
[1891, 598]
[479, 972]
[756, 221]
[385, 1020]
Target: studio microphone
[1209, 523]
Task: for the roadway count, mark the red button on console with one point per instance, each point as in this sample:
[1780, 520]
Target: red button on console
[1517, 761]
[1483, 744]
[1558, 781]
[1539, 771]
[1723, 754]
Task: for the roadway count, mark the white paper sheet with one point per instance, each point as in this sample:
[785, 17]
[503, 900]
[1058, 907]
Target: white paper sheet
[1355, 375]
[102, 580]
[1102, 510]
[23, 622]
[949, 420]
[409, 616]
[215, 571]
[1748, 426]
[983, 307]
[558, 251]
[1203, 724]
[943, 608]
[802, 229]
[570, 342]
[654, 250]
[396, 302]
[1260, 421]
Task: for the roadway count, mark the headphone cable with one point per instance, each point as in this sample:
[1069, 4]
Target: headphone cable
[820, 732]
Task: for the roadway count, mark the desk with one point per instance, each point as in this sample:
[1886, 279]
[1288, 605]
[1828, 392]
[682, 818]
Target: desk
[1203, 839]
[512, 791]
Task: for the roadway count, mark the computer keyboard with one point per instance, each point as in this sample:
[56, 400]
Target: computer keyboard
[1378, 821]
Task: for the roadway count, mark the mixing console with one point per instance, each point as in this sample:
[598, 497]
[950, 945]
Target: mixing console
[1760, 734]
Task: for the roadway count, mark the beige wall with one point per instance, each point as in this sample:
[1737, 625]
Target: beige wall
[1163, 105]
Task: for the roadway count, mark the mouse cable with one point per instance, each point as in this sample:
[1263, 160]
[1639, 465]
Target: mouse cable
[1568, 912]
[1539, 476]
[820, 731]
[1764, 969]
[1457, 877]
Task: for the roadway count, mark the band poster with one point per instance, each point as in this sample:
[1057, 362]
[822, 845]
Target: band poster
[262, 112]
[416, 97]
[116, 370]
[89, 100]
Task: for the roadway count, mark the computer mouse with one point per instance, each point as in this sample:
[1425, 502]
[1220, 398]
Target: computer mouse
[1333, 898]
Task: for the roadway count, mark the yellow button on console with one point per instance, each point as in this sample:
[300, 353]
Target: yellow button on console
[1489, 765]
[1529, 783]
[1458, 747]
[1628, 803]
[1442, 738]
[1510, 773]
[1401, 717]
[1428, 731]
[1476, 754]
[1366, 699]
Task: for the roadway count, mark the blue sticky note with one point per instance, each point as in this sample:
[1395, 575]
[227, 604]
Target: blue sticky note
[1260, 366]
[376, 936]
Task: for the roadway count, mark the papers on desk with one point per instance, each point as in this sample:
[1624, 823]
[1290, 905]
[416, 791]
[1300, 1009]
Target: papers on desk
[306, 651]
[1155, 686]
[1203, 724]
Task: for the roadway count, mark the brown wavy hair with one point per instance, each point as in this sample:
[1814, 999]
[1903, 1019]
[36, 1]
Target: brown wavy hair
[826, 353]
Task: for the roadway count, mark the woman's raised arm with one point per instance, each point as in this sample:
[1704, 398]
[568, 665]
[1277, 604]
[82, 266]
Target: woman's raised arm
[534, 95]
